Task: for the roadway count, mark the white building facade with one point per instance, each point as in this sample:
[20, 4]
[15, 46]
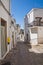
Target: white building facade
[33, 26]
[4, 27]
[7, 29]
[13, 32]
[21, 35]
[18, 32]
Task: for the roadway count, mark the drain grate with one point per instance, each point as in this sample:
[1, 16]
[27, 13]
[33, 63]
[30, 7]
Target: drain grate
[7, 63]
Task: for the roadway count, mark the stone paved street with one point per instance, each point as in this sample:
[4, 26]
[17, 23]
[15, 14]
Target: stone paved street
[22, 56]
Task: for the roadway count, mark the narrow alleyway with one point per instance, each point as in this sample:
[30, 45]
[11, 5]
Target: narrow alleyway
[22, 56]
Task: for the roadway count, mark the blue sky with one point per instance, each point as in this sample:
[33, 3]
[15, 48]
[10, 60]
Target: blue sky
[19, 9]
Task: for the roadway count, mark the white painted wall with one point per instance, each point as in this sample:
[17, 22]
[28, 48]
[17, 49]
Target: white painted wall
[29, 19]
[6, 3]
[21, 38]
[36, 38]
[4, 14]
[13, 30]
[6, 17]
[17, 33]
[40, 34]
[33, 38]
[38, 13]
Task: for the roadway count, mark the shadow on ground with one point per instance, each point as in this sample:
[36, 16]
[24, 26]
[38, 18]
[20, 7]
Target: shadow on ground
[22, 56]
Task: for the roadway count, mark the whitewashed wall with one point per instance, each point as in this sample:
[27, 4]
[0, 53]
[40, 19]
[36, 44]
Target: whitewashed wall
[6, 3]
[36, 38]
[40, 34]
[30, 17]
[38, 13]
[21, 38]
[33, 37]
[6, 17]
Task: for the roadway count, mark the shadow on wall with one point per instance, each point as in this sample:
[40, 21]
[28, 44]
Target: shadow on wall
[27, 39]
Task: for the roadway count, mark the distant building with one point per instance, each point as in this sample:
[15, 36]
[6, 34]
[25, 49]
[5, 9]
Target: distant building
[13, 32]
[21, 34]
[18, 31]
[33, 26]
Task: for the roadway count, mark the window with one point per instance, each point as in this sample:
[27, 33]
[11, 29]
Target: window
[34, 30]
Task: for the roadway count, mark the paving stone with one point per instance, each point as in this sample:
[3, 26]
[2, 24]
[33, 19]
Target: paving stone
[22, 56]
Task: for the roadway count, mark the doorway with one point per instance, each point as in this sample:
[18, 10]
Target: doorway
[13, 38]
[3, 37]
[27, 37]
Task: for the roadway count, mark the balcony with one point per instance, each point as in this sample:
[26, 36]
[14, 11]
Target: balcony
[36, 22]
